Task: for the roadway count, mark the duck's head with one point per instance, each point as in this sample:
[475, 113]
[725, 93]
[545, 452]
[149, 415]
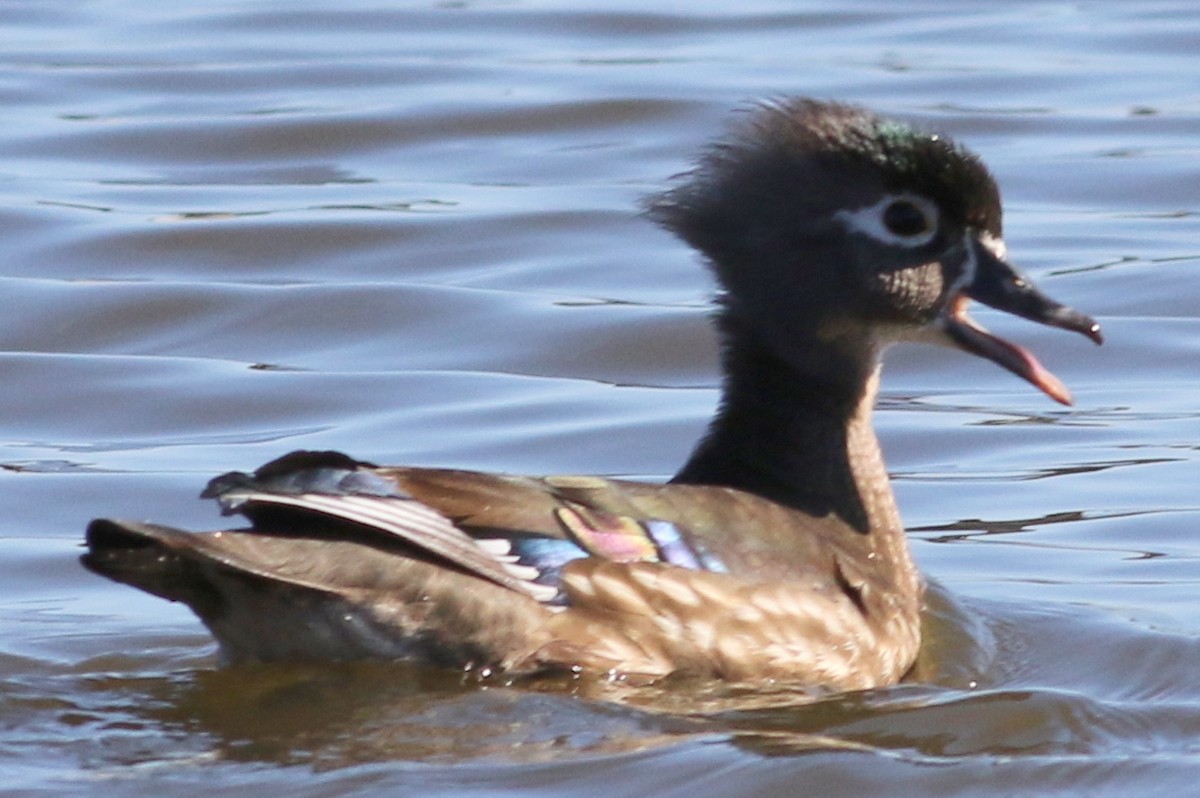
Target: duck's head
[834, 233]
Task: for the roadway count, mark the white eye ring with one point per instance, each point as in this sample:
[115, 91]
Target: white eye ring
[872, 220]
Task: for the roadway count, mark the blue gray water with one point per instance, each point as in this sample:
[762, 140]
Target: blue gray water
[410, 231]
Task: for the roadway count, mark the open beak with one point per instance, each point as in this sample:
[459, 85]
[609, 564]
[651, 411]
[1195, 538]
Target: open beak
[997, 284]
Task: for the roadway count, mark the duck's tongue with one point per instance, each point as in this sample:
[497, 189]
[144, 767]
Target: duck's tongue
[996, 283]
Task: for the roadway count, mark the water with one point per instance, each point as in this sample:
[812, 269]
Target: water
[409, 231]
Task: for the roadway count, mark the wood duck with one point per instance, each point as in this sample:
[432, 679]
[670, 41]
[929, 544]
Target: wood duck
[776, 552]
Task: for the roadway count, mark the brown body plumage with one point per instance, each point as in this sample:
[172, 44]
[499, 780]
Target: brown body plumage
[777, 551]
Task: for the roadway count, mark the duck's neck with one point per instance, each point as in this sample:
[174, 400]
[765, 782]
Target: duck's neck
[798, 436]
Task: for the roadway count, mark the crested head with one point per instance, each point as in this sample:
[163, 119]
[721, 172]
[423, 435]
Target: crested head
[835, 232]
[792, 158]
[906, 158]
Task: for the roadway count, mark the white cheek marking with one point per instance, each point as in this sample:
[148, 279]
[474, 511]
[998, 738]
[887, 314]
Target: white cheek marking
[869, 221]
[970, 267]
[970, 263]
[995, 245]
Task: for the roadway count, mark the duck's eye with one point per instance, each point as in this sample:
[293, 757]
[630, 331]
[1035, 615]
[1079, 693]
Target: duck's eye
[907, 221]
[904, 218]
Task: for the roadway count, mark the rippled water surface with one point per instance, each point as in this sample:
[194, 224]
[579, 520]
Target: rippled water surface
[410, 231]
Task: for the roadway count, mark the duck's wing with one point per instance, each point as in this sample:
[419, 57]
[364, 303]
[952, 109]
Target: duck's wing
[516, 532]
[348, 560]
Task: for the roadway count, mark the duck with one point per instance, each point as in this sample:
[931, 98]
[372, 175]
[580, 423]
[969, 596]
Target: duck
[775, 554]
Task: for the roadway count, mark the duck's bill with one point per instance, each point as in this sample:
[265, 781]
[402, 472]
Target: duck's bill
[999, 285]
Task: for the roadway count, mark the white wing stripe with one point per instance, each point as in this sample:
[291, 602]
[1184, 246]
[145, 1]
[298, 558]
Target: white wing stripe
[422, 526]
[497, 547]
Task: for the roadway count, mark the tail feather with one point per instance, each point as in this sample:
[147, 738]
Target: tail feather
[283, 597]
[150, 557]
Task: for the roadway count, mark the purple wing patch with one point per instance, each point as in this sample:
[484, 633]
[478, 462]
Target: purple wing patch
[674, 549]
[623, 539]
[538, 561]
[547, 556]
